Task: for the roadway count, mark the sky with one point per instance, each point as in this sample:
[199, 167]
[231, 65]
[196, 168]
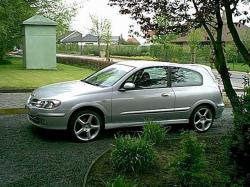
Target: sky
[100, 8]
[120, 23]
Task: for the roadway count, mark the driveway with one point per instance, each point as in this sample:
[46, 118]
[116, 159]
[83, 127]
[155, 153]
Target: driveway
[34, 157]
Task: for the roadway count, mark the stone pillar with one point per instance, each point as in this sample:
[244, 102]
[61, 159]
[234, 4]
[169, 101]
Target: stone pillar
[39, 43]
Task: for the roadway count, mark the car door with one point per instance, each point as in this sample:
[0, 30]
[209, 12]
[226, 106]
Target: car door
[152, 98]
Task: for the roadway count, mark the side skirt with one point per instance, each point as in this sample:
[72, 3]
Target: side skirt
[132, 124]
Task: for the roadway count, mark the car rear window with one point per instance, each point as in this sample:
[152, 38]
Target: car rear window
[181, 77]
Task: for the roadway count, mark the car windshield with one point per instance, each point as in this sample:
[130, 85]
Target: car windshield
[108, 76]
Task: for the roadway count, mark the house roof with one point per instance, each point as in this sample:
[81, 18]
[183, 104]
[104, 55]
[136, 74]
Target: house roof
[70, 37]
[64, 35]
[89, 38]
[75, 36]
[39, 20]
[226, 35]
[133, 40]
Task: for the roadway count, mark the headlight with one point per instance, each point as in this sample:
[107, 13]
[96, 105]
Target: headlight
[47, 104]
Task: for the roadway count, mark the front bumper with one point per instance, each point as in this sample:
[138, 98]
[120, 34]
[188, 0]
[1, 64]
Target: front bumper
[47, 119]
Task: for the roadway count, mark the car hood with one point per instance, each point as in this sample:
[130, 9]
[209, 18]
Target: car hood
[65, 89]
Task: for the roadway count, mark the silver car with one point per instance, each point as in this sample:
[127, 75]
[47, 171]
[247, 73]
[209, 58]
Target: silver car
[125, 94]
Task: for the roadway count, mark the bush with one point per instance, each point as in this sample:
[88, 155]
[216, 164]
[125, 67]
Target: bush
[154, 133]
[232, 55]
[189, 163]
[5, 62]
[120, 182]
[240, 143]
[69, 48]
[88, 63]
[132, 154]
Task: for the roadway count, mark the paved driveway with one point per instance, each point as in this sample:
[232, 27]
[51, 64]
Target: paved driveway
[33, 157]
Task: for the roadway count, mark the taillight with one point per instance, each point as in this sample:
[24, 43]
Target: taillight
[220, 90]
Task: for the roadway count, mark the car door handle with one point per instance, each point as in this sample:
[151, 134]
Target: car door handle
[164, 95]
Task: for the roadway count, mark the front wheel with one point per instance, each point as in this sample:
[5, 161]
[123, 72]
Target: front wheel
[202, 118]
[85, 125]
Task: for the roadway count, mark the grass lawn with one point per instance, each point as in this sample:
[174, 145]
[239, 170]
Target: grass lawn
[236, 67]
[232, 67]
[14, 76]
[161, 174]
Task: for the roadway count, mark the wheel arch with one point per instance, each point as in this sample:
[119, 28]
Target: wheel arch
[208, 104]
[92, 108]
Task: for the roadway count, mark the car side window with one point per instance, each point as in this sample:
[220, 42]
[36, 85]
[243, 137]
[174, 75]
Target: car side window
[181, 77]
[154, 77]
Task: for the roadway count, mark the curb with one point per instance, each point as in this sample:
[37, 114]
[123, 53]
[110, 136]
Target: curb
[91, 165]
[13, 111]
[17, 90]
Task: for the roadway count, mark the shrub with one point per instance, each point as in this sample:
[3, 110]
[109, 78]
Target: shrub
[88, 63]
[132, 154]
[232, 55]
[189, 163]
[240, 141]
[5, 62]
[120, 182]
[154, 133]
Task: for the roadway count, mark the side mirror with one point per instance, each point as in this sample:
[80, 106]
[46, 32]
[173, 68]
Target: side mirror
[129, 86]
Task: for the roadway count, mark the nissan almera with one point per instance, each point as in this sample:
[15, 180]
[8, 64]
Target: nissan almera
[124, 95]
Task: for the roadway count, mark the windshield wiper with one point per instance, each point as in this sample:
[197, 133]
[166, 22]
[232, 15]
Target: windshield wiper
[91, 83]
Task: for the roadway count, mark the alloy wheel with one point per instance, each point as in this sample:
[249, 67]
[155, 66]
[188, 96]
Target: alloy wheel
[203, 119]
[87, 126]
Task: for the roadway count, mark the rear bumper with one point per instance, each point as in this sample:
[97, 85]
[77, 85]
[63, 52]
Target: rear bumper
[219, 110]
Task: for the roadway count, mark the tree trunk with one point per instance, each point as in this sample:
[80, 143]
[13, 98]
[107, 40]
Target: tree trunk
[107, 53]
[192, 54]
[240, 46]
[99, 45]
[220, 61]
[220, 64]
[1, 58]
[2, 55]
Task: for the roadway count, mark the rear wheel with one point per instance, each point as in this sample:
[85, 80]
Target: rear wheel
[202, 118]
[85, 125]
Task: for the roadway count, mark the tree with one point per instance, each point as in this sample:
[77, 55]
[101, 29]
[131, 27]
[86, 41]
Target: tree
[100, 26]
[59, 11]
[231, 8]
[183, 15]
[107, 38]
[12, 13]
[194, 39]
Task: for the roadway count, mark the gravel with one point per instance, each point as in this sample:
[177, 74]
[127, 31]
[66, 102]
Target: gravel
[34, 157]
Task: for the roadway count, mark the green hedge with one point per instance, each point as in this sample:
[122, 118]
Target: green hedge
[89, 63]
[170, 52]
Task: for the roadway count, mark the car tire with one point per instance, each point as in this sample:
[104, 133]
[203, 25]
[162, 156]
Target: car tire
[202, 119]
[85, 125]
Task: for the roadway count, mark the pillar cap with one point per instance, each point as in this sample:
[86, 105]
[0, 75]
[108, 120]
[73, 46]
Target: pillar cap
[39, 20]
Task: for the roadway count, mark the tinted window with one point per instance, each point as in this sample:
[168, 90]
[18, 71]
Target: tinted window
[155, 77]
[185, 77]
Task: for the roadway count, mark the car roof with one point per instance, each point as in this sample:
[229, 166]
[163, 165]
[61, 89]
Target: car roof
[145, 64]
[142, 63]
